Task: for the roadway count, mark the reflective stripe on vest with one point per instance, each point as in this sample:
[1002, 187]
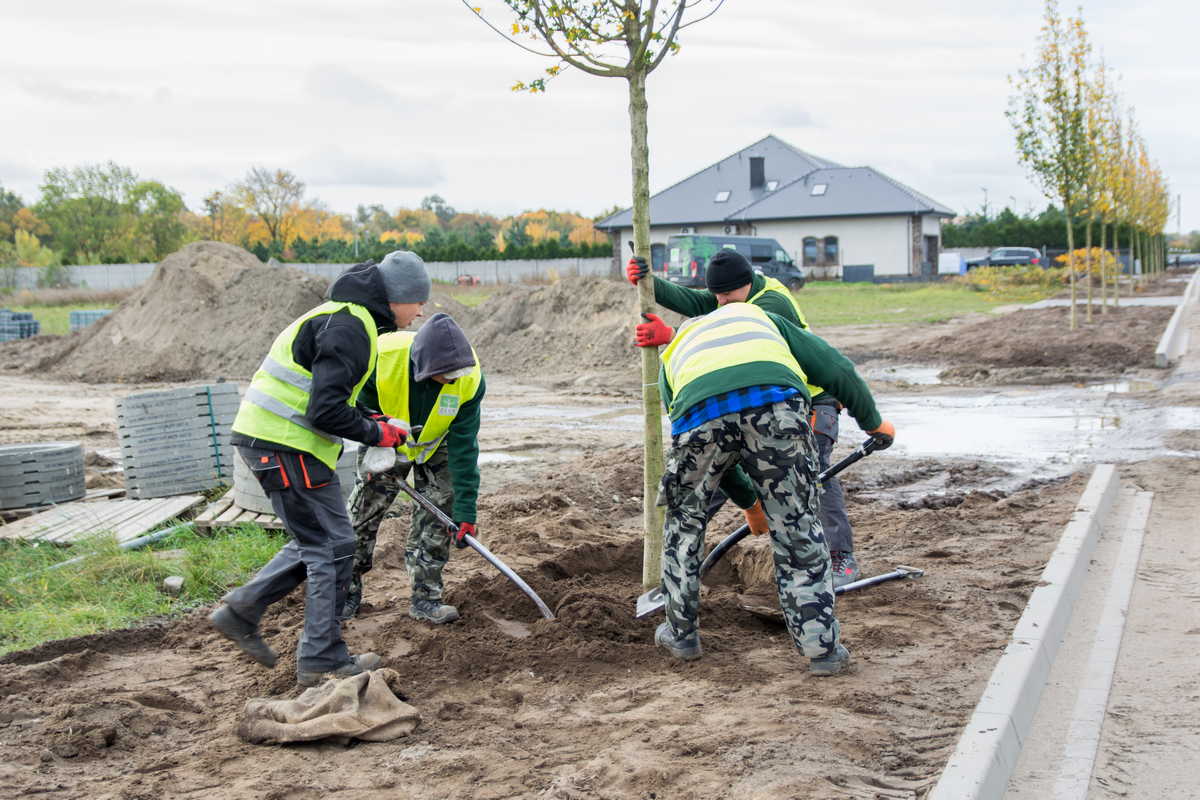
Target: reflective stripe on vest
[275, 406]
[736, 333]
[392, 387]
[773, 285]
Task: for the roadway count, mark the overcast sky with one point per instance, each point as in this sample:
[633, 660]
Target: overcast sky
[385, 102]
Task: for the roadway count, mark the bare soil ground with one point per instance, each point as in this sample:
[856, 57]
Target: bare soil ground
[580, 707]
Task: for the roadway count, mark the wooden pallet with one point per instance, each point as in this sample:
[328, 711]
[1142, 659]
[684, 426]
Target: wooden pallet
[10, 514]
[224, 514]
[125, 519]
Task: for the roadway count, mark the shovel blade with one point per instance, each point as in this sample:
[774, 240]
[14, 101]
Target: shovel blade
[649, 602]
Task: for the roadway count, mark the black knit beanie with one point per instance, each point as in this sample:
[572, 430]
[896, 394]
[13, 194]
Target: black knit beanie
[727, 270]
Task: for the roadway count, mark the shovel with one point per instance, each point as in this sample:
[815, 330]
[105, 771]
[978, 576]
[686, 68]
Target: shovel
[653, 600]
[478, 547]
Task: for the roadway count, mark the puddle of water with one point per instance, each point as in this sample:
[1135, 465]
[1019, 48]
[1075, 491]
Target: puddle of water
[1123, 387]
[502, 458]
[510, 627]
[573, 417]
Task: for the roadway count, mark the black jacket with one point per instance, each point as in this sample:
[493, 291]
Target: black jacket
[336, 350]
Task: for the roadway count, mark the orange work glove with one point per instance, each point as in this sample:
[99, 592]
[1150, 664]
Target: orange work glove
[636, 269]
[884, 435]
[756, 518]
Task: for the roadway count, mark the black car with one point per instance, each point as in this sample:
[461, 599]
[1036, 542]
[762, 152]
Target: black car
[687, 257]
[1008, 257]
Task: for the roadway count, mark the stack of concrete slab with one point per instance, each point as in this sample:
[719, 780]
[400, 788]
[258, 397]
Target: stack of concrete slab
[17, 325]
[177, 441]
[248, 494]
[40, 474]
[79, 320]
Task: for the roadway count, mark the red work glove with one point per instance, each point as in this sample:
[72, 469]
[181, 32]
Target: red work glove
[464, 529]
[884, 435]
[653, 331]
[636, 269]
[391, 435]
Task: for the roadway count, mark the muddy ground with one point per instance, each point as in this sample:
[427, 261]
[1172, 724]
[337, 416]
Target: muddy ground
[584, 706]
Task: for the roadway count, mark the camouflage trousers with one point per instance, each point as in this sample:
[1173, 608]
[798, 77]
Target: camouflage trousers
[775, 445]
[428, 547]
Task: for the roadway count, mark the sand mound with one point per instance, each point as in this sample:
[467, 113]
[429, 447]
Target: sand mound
[209, 310]
[562, 330]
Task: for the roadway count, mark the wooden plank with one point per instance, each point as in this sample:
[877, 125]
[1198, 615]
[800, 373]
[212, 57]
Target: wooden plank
[205, 519]
[127, 519]
[266, 521]
[229, 515]
[105, 494]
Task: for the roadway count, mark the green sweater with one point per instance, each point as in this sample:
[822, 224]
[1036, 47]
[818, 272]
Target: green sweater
[462, 440]
[821, 362]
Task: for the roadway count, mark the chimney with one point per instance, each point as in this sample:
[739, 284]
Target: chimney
[758, 172]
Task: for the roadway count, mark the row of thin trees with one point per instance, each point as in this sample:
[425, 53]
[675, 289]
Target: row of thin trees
[1083, 148]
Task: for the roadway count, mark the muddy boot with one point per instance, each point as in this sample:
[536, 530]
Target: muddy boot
[363, 662]
[832, 664]
[433, 611]
[845, 568]
[243, 634]
[686, 649]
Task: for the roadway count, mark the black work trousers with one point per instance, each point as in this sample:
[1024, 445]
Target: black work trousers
[307, 498]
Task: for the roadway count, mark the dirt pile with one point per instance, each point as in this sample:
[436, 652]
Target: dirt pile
[210, 310]
[1039, 339]
[566, 330]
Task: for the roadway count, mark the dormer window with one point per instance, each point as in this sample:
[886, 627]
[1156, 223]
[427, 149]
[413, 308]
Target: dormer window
[722, 196]
[772, 185]
[819, 189]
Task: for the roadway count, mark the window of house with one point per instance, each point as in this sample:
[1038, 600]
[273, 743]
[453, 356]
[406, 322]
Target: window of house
[831, 250]
[772, 185]
[819, 189]
[811, 251]
[722, 196]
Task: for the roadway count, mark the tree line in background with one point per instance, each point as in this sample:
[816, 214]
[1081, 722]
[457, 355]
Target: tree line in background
[1084, 151]
[106, 214]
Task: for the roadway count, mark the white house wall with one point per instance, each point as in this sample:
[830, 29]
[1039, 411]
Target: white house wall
[931, 225]
[882, 241]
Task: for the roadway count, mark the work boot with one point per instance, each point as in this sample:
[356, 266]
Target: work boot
[350, 607]
[685, 649]
[845, 568]
[363, 662]
[434, 611]
[243, 634]
[832, 664]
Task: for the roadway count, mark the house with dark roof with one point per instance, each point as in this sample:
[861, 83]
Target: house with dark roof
[826, 216]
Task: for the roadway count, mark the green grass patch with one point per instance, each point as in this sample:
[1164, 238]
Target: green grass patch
[56, 320]
[112, 588]
[828, 303]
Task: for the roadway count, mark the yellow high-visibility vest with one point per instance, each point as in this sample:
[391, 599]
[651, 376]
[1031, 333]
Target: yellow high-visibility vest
[736, 333]
[773, 285]
[275, 405]
[392, 386]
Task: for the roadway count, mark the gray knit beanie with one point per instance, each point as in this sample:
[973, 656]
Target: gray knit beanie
[440, 347]
[404, 277]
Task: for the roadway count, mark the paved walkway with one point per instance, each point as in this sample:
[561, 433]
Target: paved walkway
[1057, 302]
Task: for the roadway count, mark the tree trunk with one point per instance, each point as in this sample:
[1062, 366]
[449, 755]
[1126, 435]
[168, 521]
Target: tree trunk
[1088, 261]
[1103, 268]
[652, 463]
[1117, 277]
[1070, 261]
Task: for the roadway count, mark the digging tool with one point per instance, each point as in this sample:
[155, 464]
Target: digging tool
[478, 547]
[653, 600]
[768, 609]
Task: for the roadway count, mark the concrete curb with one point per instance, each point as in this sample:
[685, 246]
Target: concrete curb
[1174, 341]
[986, 754]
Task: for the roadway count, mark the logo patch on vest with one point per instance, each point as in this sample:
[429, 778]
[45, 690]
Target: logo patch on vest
[447, 405]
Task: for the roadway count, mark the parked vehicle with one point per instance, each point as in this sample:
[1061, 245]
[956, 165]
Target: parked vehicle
[1008, 257]
[688, 254]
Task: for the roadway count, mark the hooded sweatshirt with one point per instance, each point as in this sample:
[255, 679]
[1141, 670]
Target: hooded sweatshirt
[336, 350]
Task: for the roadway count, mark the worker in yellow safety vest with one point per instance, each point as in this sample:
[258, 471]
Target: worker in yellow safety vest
[299, 406]
[735, 383]
[430, 381]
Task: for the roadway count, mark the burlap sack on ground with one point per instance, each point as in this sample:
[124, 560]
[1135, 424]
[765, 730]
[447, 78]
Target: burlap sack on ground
[359, 707]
